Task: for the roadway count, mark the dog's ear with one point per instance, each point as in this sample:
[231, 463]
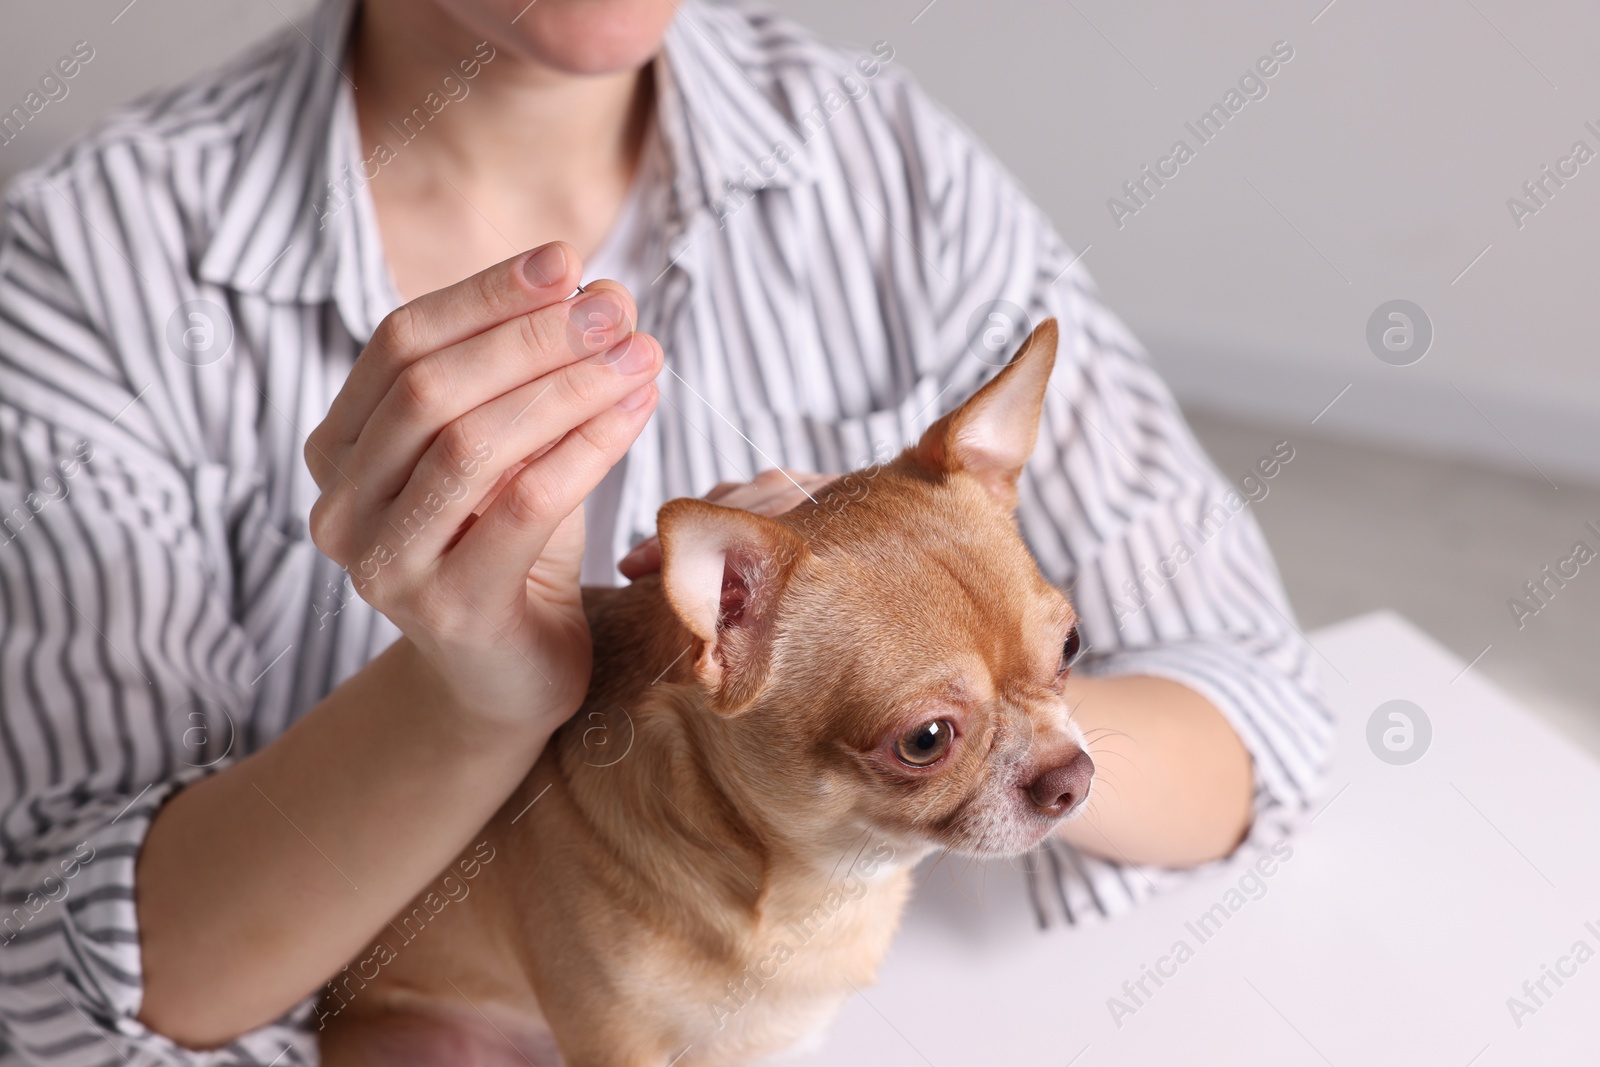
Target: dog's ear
[723, 570]
[991, 436]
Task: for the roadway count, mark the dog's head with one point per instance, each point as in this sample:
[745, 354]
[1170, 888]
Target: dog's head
[889, 655]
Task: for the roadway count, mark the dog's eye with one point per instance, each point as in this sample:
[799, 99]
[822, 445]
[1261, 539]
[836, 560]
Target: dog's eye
[925, 745]
[1070, 650]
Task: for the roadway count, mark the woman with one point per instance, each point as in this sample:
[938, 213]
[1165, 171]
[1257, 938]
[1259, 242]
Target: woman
[287, 625]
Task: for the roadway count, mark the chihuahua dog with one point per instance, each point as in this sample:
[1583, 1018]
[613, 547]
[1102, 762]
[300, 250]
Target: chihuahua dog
[713, 853]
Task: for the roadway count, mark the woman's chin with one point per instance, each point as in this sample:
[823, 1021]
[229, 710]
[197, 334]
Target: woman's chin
[584, 37]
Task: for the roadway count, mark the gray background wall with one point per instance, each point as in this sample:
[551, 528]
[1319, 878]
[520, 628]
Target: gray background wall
[1378, 166]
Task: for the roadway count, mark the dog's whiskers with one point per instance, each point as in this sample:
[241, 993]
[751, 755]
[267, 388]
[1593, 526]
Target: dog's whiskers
[1105, 731]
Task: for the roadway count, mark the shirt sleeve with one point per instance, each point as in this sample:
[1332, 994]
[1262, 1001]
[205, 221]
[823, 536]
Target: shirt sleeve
[123, 675]
[1160, 552]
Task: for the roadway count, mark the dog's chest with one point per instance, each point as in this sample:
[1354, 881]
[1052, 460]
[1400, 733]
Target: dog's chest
[799, 966]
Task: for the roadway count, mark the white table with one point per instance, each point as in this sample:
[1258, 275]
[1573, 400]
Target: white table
[1417, 901]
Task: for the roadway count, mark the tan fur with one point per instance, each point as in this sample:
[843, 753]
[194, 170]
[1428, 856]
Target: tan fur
[718, 847]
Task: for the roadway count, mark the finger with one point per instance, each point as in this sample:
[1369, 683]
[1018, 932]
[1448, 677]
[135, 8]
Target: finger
[441, 387]
[767, 497]
[791, 484]
[645, 557]
[473, 458]
[590, 315]
[771, 493]
[506, 540]
[448, 316]
[777, 501]
[325, 470]
[642, 559]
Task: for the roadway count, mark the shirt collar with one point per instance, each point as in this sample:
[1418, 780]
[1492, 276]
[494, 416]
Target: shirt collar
[725, 134]
[297, 222]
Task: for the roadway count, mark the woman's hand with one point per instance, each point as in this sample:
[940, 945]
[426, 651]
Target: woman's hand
[771, 493]
[453, 465]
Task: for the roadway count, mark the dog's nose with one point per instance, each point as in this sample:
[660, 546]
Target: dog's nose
[1060, 789]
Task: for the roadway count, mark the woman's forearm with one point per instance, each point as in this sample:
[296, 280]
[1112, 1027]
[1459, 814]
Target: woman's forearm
[255, 885]
[1173, 782]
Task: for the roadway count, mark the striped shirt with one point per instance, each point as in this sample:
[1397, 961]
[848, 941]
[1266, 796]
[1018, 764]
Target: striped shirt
[830, 262]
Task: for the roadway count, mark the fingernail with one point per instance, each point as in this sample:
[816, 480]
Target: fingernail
[599, 312]
[546, 266]
[636, 356]
[636, 399]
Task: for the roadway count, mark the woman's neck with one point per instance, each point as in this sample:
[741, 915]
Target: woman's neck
[517, 155]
